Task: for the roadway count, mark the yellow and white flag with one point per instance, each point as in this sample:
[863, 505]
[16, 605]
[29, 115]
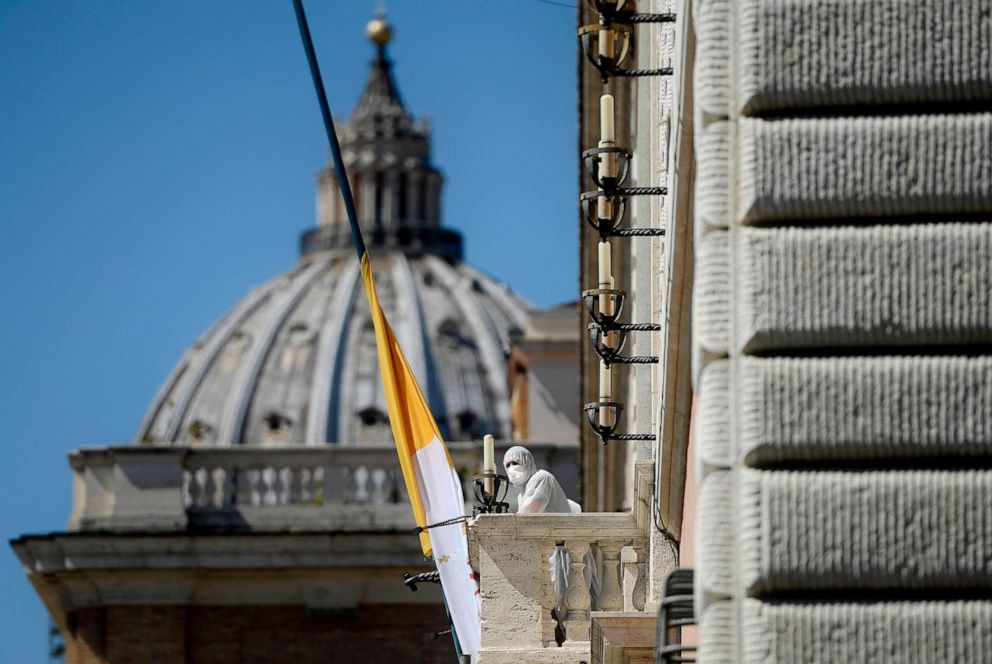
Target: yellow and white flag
[431, 480]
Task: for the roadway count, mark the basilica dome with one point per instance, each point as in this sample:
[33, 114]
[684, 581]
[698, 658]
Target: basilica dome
[294, 362]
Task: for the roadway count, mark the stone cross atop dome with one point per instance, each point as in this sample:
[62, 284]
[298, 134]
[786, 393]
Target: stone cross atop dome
[387, 154]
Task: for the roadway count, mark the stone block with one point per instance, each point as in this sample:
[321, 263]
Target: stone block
[711, 299]
[879, 52]
[713, 176]
[829, 168]
[839, 409]
[717, 633]
[878, 632]
[876, 286]
[715, 538]
[862, 531]
[711, 74]
[713, 421]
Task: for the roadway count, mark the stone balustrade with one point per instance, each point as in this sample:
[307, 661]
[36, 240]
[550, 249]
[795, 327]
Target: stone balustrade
[511, 553]
[334, 487]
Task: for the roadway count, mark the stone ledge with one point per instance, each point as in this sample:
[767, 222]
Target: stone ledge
[860, 531]
[862, 408]
[877, 286]
[590, 526]
[792, 170]
[61, 552]
[903, 632]
[879, 52]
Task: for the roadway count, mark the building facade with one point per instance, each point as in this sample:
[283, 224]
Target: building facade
[821, 299]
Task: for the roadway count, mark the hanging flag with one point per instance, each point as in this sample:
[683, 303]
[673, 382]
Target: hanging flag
[433, 485]
[431, 480]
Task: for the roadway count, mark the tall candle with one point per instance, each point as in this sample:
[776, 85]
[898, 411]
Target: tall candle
[604, 208]
[605, 264]
[607, 125]
[607, 43]
[605, 268]
[605, 392]
[488, 454]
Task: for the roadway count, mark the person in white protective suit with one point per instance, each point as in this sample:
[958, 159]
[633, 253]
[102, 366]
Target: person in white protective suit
[539, 490]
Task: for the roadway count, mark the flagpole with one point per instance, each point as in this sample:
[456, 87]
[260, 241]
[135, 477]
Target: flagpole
[332, 135]
[411, 408]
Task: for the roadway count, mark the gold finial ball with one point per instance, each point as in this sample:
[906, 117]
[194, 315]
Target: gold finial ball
[379, 31]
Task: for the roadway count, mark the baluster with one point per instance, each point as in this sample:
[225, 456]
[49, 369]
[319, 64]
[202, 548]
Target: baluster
[639, 595]
[215, 499]
[361, 479]
[268, 486]
[610, 595]
[577, 598]
[285, 481]
[379, 491]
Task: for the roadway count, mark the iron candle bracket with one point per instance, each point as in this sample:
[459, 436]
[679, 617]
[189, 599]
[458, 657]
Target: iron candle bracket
[610, 353]
[607, 64]
[607, 219]
[604, 431]
[601, 342]
[602, 319]
[609, 11]
[612, 64]
[607, 432]
[593, 159]
[491, 503]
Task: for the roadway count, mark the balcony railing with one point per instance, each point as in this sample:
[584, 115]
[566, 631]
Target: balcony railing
[602, 559]
[294, 488]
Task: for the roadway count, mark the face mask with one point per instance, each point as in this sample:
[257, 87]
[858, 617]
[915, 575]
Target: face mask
[517, 475]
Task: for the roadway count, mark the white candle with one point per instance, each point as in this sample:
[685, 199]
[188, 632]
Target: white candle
[605, 392]
[488, 454]
[604, 208]
[605, 264]
[607, 126]
[607, 43]
[605, 268]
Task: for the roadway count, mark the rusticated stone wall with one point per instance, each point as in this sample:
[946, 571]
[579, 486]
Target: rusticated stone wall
[842, 330]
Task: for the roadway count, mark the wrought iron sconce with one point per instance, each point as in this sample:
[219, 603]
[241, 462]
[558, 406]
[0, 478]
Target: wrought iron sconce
[607, 176]
[594, 298]
[609, 343]
[609, 11]
[607, 430]
[491, 502]
[605, 213]
[607, 45]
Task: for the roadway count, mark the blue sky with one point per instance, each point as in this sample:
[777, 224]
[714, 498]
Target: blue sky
[157, 159]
